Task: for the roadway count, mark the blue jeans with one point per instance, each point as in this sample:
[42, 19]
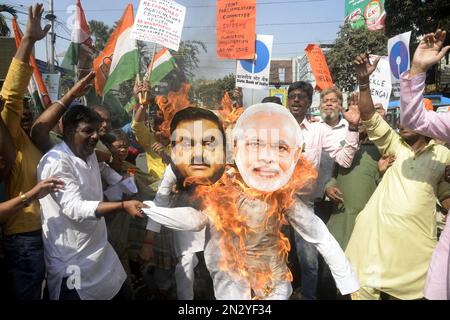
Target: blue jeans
[309, 267]
[24, 255]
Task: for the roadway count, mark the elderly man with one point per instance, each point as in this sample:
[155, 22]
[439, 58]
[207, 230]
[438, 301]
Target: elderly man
[80, 262]
[243, 217]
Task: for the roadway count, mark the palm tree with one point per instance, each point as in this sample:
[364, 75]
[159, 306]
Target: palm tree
[4, 30]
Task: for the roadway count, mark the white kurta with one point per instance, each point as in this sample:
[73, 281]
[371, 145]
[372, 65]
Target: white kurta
[75, 240]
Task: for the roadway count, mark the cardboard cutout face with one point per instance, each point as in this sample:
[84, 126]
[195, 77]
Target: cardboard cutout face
[267, 146]
[198, 150]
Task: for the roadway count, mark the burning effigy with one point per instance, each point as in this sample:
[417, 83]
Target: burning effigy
[244, 211]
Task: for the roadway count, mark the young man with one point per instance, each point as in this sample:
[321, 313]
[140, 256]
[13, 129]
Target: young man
[394, 236]
[80, 262]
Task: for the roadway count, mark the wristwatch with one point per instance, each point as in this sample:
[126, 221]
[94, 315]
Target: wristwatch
[24, 199]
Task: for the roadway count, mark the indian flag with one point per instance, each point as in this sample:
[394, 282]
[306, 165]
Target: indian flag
[80, 52]
[162, 65]
[119, 61]
[36, 87]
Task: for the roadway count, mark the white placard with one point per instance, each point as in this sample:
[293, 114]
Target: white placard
[380, 82]
[254, 74]
[52, 82]
[159, 21]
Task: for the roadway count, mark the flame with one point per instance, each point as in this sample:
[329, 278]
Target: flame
[229, 113]
[221, 201]
[174, 102]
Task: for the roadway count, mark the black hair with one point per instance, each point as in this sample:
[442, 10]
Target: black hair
[302, 85]
[75, 115]
[114, 135]
[194, 113]
[273, 99]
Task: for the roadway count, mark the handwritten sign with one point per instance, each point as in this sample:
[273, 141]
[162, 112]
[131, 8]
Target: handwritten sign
[380, 82]
[319, 67]
[159, 21]
[236, 29]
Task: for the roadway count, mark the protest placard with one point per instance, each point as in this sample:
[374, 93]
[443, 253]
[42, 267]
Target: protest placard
[236, 29]
[159, 21]
[319, 67]
[380, 82]
[254, 74]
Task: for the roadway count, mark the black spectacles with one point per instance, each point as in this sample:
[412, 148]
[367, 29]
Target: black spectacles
[301, 96]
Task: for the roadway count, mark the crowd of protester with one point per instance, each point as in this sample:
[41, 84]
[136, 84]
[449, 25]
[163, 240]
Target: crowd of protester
[67, 236]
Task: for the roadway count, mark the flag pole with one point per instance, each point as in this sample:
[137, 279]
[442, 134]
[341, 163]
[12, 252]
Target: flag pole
[149, 74]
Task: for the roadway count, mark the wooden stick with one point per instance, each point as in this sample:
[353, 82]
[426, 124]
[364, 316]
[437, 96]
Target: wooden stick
[149, 73]
[138, 80]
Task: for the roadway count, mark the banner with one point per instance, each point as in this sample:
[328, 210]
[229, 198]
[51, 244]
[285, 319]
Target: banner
[319, 67]
[280, 93]
[52, 82]
[254, 74]
[380, 82]
[159, 21]
[369, 13]
[398, 51]
[236, 29]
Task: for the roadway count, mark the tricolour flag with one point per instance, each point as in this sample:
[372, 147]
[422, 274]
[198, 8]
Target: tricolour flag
[80, 52]
[119, 61]
[37, 88]
[162, 65]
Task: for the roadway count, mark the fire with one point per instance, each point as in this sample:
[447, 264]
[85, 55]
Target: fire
[229, 113]
[174, 102]
[222, 203]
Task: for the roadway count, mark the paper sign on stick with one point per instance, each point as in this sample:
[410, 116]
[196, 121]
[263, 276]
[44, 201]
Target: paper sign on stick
[319, 67]
[159, 21]
[380, 82]
[236, 29]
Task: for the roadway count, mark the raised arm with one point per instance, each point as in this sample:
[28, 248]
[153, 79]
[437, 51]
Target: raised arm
[412, 84]
[20, 71]
[49, 118]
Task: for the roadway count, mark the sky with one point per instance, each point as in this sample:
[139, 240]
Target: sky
[293, 23]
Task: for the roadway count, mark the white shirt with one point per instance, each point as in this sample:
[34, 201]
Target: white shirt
[75, 240]
[326, 167]
[319, 138]
[184, 241]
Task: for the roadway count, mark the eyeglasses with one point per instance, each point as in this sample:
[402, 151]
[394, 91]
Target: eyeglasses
[301, 96]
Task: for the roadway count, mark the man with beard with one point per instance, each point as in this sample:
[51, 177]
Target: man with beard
[80, 262]
[245, 251]
[198, 155]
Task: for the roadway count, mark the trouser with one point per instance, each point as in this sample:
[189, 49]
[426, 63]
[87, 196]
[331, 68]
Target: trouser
[72, 294]
[308, 255]
[24, 255]
[184, 275]
[437, 285]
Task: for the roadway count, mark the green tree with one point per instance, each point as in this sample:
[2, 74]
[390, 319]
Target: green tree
[100, 33]
[4, 30]
[187, 56]
[346, 47]
[210, 93]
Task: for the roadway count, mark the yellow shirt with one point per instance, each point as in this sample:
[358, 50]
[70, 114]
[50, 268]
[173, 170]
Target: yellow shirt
[155, 165]
[395, 234]
[23, 173]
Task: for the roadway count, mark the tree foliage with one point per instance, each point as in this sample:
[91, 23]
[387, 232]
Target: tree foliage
[187, 56]
[210, 93]
[4, 30]
[347, 46]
